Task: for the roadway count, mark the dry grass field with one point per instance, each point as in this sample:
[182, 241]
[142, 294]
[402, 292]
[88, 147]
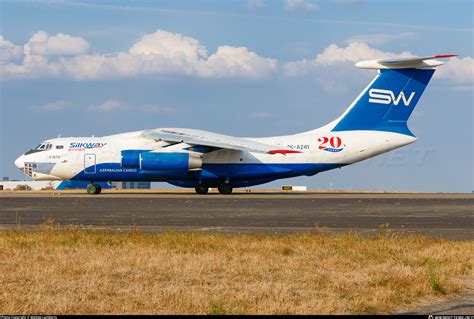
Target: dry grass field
[79, 272]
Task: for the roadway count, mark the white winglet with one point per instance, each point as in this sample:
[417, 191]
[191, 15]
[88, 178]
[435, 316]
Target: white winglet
[404, 63]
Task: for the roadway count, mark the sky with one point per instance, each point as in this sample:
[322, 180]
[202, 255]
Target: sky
[245, 68]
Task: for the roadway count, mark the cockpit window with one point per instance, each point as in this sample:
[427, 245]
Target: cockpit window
[43, 147]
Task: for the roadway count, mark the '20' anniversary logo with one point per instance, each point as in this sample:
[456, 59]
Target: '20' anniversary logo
[335, 144]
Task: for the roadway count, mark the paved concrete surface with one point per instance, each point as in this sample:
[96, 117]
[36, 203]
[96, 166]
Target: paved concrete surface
[457, 305]
[434, 215]
[460, 305]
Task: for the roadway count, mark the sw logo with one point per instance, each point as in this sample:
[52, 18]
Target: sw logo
[335, 144]
[387, 97]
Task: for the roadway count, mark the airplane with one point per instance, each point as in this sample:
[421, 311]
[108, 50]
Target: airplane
[375, 123]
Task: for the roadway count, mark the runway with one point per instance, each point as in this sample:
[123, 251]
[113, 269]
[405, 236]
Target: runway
[433, 215]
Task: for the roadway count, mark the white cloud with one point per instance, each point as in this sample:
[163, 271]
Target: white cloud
[9, 52]
[158, 53]
[166, 53]
[254, 5]
[235, 62]
[380, 38]
[107, 106]
[333, 69]
[300, 6]
[169, 45]
[41, 43]
[54, 106]
[459, 70]
[333, 55]
[354, 52]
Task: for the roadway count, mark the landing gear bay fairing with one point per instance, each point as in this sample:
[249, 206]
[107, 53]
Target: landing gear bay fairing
[375, 123]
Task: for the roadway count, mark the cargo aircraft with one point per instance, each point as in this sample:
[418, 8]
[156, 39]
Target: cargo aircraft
[375, 123]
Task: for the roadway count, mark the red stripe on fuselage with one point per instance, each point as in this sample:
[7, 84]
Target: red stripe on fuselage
[282, 152]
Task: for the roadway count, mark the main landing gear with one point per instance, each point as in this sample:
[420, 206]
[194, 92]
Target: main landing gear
[93, 189]
[224, 188]
[202, 189]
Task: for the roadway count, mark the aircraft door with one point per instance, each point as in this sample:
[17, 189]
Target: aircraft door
[89, 164]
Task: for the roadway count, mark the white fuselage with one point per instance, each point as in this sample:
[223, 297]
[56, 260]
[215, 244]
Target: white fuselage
[100, 158]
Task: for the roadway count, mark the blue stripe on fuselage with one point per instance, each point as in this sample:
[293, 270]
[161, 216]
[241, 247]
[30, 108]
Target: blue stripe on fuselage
[209, 172]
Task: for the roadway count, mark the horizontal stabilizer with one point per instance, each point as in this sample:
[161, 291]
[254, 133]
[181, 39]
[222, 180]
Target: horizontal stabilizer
[426, 62]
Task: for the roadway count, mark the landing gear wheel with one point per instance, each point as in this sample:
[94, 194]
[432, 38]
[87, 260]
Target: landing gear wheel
[202, 189]
[93, 189]
[225, 189]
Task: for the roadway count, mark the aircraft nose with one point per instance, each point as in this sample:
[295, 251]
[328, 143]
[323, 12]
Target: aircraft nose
[19, 162]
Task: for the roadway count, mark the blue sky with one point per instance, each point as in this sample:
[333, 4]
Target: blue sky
[244, 68]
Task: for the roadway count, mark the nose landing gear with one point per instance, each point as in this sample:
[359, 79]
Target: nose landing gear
[93, 189]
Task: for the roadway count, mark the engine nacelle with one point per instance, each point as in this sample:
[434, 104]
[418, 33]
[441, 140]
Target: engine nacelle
[148, 160]
[131, 158]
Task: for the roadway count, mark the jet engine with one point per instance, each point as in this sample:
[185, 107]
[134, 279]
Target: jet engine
[148, 160]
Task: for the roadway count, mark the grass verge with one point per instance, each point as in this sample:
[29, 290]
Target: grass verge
[80, 272]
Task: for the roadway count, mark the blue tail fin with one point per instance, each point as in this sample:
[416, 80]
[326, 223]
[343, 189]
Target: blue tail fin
[387, 103]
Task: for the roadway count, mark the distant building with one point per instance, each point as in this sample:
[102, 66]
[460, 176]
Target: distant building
[28, 185]
[47, 185]
[294, 188]
[133, 185]
[7, 184]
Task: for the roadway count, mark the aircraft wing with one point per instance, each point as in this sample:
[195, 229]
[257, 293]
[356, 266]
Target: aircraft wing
[204, 138]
